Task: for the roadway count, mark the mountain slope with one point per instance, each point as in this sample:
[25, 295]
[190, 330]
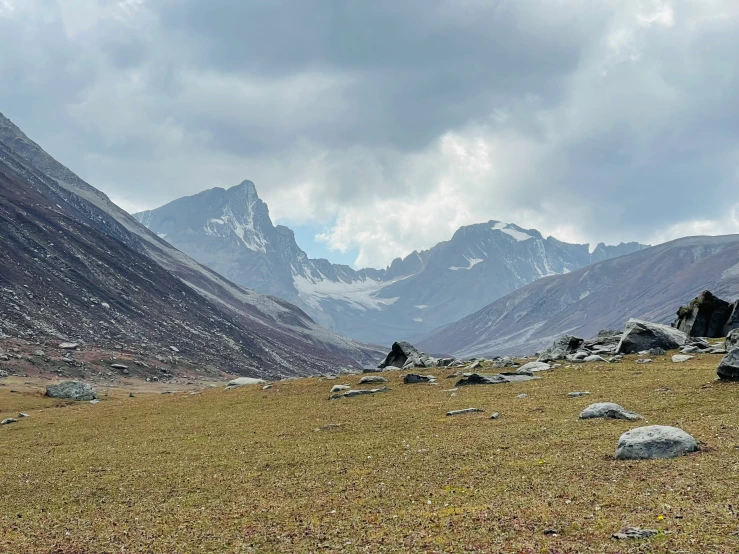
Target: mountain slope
[650, 284]
[44, 203]
[231, 232]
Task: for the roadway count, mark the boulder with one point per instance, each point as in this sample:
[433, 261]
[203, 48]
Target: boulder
[10, 420]
[412, 378]
[561, 347]
[339, 388]
[403, 354]
[465, 411]
[643, 335]
[705, 316]
[68, 345]
[243, 381]
[480, 379]
[504, 362]
[372, 379]
[680, 358]
[353, 393]
[732, 340]
[657, 351]
[634, 533]
[653, 442]
[533, 367]
[728, 368]
[578, 394]
[608, 410]
[71, 390]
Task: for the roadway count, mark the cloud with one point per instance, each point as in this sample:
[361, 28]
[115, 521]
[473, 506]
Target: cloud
[393, 123]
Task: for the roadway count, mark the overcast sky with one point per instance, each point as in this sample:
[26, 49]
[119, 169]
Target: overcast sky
[377, 127]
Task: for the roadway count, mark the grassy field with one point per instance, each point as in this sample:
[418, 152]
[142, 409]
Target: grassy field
[245, 471]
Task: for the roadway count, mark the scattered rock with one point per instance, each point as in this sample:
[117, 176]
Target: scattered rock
[504, 362]
[22, 415]
[8, 421]
[679, 358]
[243, 381]
[595, 358]
[728, 368]
[68, 345]
[465, 411]
[412, 378]
[656, 351]
[405, 355]
[689, 349]
[339, 388]
[119, 366]
[352, 393]
[643, 335]
[266, 387]
[615, 359]
[328, 426]
[654, 442]
[372, 379]
[533, 367]
[644, 361]
[628, 533]
[96, 401]
[608, 410]
[174, 349]
[523, 395]
[473, 365]
[39, 353]
[577, 394]
[495, 415]
[3, 374]
[130, 395]
[71, 390]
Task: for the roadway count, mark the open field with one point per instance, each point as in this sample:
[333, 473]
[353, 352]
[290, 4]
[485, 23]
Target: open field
[245, 471]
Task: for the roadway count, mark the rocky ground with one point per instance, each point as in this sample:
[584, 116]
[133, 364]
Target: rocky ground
[285, 469]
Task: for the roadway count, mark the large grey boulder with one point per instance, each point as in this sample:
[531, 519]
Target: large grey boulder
[608, 410]
[728, 368]
[353, 393]
[561, 347]
[533, 367]
[71, 390]
[680, 358]
[643, 335]
[243, 381]
[653, 442]
[403, 354]
[732, 340]
[705, 316]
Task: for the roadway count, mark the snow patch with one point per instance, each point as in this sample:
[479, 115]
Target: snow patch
[418, 319]
[358, 294]
[421, 307]
[472, 262]
[508, 229]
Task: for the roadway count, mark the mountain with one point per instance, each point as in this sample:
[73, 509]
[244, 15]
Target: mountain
[77, 267]
[231, 232]
[649, 284]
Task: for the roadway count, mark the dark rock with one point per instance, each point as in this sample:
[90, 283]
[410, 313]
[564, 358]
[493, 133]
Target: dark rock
[635, 533]
[119, 366]
[412, 378]
[657, 351]
[71, 390]
[728, 368]
[608, 410]
[399, 354]
[643, 335]
[10, 420]
[706, 316]
[654, 442]
[561, 347]
[480, 379]
[732, 340]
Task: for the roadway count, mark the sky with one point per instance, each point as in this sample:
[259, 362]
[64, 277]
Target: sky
[376, 128]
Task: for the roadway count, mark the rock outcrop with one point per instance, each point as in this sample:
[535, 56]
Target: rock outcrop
[561, 347]
[707, 316]
[608, 410]
[405, 355]
[643, 335]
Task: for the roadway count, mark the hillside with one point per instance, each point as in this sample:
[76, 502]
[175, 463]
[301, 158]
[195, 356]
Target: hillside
[79, 268]
[246, 471]
[231, 232]
[650, 284]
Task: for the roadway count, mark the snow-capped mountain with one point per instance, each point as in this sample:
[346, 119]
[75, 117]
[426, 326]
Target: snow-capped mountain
[231, 232]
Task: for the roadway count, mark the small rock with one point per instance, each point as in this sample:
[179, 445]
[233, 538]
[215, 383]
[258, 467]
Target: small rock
[495, 415]
[353, 393]
[39, 353]
[243, 381]
[8, 421]
[174, 349]
[130, 395]
[371, 379]
[689, 349]
[68, 345]
[576, 394]
[533, 367]
[266, 387]
[96, 401]
[728, 368]
[119, 366]
[412, 378]
[523, 395]
[656, 351]
[339, 388]
[608, 410]
[22, 414]
[328, 426]
[654, 442]
[465, 411]
[473, 365]
[634, 533]
[595, 358]
[679, 358]
[644, 361]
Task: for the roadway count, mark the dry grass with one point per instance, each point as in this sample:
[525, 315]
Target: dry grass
[244, 471]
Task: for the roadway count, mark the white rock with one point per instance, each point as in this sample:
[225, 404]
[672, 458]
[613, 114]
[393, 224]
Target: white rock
[679, 358]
